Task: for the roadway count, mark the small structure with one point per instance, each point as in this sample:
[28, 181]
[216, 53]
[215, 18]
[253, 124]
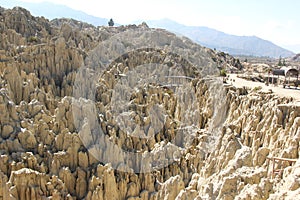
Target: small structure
[288, 73]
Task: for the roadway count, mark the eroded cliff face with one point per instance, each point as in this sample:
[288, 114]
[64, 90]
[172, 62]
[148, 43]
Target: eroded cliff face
[49, 140]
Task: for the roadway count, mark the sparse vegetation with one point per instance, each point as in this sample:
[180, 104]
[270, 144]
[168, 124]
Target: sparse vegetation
[111, 22]
[257, 88]
[223, 73]
[32, 39]
[281, 62]
[47, 138]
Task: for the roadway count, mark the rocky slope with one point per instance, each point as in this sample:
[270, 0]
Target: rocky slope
[211, 143]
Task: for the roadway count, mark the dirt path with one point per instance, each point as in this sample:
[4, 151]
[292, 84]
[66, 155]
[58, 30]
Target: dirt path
[278, 90]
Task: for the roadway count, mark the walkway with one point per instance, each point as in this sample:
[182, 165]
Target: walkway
[278, 90]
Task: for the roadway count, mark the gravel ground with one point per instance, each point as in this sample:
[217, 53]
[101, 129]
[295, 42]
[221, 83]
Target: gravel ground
[278, 90]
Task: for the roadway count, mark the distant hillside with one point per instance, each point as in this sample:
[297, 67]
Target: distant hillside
[235, 45]
[294, 47]
[52, 11]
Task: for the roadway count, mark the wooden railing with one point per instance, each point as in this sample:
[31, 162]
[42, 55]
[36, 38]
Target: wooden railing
[279, 161]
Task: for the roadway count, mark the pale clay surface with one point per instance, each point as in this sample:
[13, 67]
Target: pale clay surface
[42, 155]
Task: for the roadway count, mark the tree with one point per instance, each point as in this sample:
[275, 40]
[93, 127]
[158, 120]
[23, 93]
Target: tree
[111, 22]
[280, 62]
[284, 63]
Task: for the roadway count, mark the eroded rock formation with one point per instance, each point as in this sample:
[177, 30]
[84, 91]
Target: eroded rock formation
[43, 153]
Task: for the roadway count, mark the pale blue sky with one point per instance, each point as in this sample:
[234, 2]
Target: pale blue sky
[274, 20]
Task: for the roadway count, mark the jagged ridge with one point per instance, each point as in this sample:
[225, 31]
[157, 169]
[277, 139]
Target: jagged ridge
[42, 154]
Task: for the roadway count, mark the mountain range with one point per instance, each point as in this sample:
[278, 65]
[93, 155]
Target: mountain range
[232, 44]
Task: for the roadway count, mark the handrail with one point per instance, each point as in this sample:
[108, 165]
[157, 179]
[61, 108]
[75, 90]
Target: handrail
[274, 159]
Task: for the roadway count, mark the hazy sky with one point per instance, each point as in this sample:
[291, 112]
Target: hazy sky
[274, 20]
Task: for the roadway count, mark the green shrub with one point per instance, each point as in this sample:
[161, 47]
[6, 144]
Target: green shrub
[223, 73]
[32, 39]
[257, 88]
